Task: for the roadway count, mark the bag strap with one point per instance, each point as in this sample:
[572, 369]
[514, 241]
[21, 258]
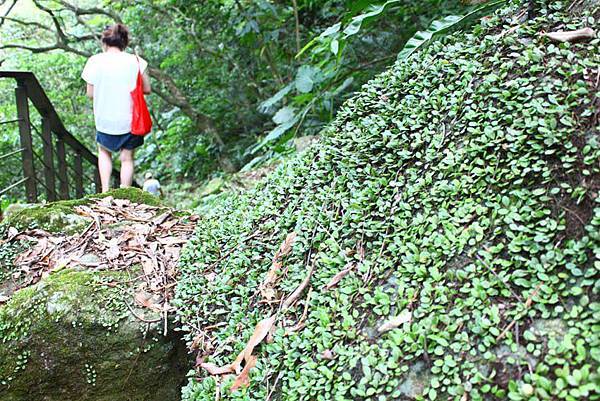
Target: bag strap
[139, 64]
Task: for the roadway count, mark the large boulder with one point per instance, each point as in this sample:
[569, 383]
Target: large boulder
[78, 332]
[72, 337]
[61, 216]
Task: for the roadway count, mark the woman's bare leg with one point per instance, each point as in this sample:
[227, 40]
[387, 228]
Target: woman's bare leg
[104, 167]
[126, 167]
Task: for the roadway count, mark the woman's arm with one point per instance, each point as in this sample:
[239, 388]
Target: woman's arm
[146, 83]
[90, 91]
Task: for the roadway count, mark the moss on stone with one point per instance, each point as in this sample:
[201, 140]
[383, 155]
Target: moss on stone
[54, 217]
[71, 338]
[135, 195]
[60, 216]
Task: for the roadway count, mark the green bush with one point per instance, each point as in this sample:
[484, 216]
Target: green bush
[460, 189]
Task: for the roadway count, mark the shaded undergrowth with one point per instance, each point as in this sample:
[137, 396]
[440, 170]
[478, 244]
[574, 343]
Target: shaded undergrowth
[458, 189]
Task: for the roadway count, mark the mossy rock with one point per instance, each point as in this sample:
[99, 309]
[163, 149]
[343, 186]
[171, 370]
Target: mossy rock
[60, 216]
[71, 337]
[135, 195]
[54, 218]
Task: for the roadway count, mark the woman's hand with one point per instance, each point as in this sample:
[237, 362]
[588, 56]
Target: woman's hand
[89, 91]
[146, 83]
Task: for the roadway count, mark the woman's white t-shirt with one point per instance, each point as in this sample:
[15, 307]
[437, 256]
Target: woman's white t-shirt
[114, 76]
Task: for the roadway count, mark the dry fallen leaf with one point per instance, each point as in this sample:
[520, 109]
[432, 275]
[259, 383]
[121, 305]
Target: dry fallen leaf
[85, 211]
[215, 370]
[571, 36]
[144, 299]
[404, 317]
[243, 379]
[199, 339]
[327, 354]
[168, 225]
[136, 240]
[147, 266]
[260, 332]
[172, 252]
[142, 229]
[161, 219]
[31, 256]
[113, 252]
[12, 233]
[298, 291]
[169, 241]
[122, 202]
[338, 277]
[104, 212]
[286, 246]
[266, 287]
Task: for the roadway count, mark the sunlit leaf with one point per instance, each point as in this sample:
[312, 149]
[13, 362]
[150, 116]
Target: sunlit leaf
[441, 26]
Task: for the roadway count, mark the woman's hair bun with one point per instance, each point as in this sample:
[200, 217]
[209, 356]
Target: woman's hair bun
[116, 35]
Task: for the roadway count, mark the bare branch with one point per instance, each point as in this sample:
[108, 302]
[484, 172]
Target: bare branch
[8, 10]
[32, 49]
[24, 23]
[45, 49]
[90, 11]
[61, 36]
[83, 38]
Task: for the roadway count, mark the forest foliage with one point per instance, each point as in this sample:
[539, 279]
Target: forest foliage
[441, 242]
[234, 80]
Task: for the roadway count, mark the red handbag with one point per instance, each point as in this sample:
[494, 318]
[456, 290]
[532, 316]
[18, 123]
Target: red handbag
[141, 123]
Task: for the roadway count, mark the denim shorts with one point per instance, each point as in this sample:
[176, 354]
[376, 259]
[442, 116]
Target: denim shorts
[115, 143]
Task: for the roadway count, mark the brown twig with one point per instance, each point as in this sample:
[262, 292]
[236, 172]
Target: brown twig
[301, 324]
[499, 278]
[274, 386]
[528, 304]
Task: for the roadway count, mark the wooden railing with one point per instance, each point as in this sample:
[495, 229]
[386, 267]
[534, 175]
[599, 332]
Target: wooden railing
[52, 159]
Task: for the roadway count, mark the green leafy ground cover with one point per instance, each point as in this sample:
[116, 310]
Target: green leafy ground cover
[459, 190]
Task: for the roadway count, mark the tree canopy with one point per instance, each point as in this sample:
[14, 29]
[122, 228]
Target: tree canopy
[234, 81]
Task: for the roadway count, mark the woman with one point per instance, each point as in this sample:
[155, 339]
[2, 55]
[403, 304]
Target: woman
[111, 76]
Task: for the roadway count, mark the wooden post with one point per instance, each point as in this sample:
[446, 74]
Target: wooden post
[78, 175]
[26, 142]
[97, 182]
[48, 160]
[62, 168]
